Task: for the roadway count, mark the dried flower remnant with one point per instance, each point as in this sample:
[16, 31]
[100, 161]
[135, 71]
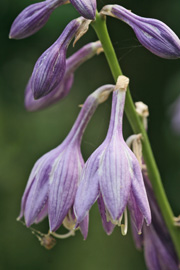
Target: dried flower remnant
[113, 176]
[153, 34]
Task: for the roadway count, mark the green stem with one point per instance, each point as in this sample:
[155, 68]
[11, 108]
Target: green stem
[101, 30]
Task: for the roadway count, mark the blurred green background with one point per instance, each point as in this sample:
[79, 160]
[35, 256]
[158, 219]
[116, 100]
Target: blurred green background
[25, 136]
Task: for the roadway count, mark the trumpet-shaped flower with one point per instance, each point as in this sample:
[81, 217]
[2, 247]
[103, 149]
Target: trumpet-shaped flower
[33, 18]
[159, 251]
[50, 67]
[153, 34]
[53, 182]
[113, 176]
[72, 63]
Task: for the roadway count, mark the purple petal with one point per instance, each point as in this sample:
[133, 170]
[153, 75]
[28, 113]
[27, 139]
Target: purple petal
[115, 180]
[62, 186]
[88, 189]
[156, 255]
[138, 190]
[136, 214]
[107, 225]
[53, 97]
[84, 226]
[43, 214]
[87, 8]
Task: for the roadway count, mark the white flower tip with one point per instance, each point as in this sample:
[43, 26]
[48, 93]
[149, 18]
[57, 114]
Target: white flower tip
[122, 83]
[106, 10]
[142, 109]
[99, 50]
[103, 96]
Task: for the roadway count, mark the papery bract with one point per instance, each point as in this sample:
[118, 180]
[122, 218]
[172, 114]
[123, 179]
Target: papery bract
[53, 181]
[33, 18]
[153, 34]
[112, 173]
[72, 63]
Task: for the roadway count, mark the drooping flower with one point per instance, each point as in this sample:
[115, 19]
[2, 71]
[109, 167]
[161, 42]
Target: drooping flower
[153, 34]
[33, 18]
[113, 176]
[72, 63]
[52, 184]
[50, 68]
[159, 250]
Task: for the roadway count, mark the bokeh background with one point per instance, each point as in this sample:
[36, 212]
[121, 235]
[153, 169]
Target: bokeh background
[25, 136]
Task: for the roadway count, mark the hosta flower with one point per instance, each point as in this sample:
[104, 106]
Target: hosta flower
[158, 247]
[33, 18]
[153, 34]
[50, 67]
[113, 176]
[72, 63]
[159, 251]
[52, 184]
[87, 8]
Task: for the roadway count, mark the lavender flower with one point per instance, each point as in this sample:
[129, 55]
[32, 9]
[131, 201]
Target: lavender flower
[72, 63]
[113, 176]
[53, 181]
[87, 8]
[33, 18]
[158, 247]
[153, 34]
[50, 67]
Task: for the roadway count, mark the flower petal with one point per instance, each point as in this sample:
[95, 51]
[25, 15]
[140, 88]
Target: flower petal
[107, 225]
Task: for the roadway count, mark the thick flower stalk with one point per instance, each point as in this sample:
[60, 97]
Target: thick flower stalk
[113, 176]
[33, 18]
[153, 34]
[52, 184]
[50, 68]
[62, 90]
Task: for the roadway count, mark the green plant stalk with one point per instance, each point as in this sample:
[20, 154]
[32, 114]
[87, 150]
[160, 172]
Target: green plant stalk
[100, 28]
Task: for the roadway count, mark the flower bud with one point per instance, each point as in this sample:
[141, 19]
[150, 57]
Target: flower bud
[87, 8]
[33, 18]
[50, 67]
[153, 34]
[72, 63]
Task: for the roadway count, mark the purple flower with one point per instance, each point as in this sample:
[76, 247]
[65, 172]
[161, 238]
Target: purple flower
[158, 247]
[50, 68]
[153, 34]
[33, 18]
[52, 184]
[87, 8]
[113, 176]
[72, 63]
